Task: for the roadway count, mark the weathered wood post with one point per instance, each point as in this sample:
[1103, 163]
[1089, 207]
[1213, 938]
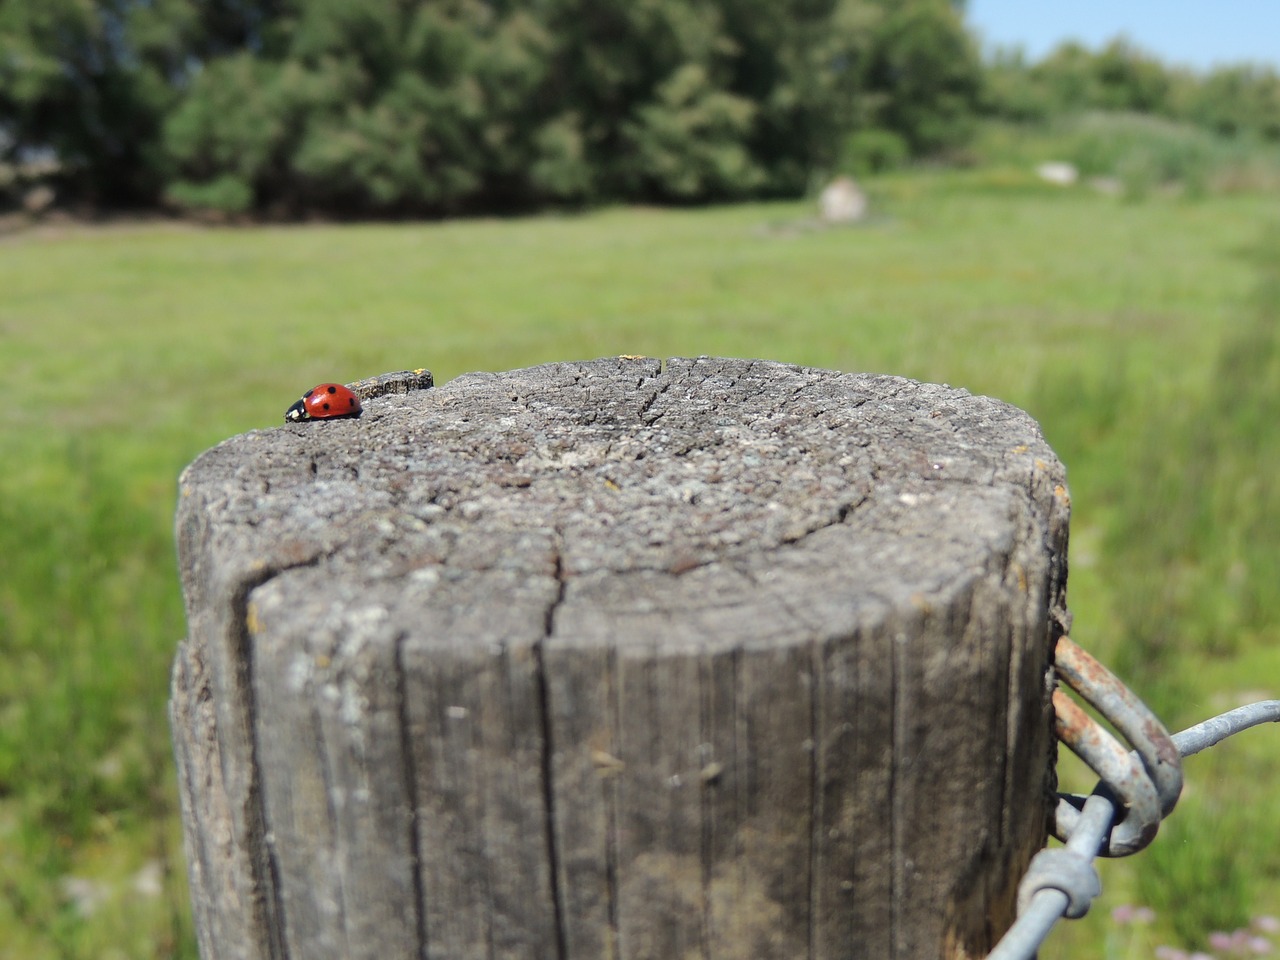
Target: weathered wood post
[621, 659]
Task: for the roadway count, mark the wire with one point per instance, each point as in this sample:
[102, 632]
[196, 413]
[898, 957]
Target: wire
[1054, 884]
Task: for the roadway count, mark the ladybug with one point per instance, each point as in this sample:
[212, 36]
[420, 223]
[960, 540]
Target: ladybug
[328, 401]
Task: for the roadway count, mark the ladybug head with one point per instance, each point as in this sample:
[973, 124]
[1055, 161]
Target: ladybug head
[296, 412]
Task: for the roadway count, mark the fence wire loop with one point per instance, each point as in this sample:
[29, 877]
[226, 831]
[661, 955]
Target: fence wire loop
[1061, 869]
[1122, 814]
[1146, 783]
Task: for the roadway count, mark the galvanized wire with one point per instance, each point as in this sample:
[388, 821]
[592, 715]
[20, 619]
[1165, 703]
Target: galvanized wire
[1047, 905]
[1046, 896]
[1216, 729]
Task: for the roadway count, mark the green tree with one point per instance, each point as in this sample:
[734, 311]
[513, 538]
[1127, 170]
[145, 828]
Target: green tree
[92, 81]
[925, 75]
[1127, 79]
[636, 102]
[233, 132]
[1008, 90]
[689, 142]
[411, 106]
[446, 105]
[378, 107]
[1238, 100]
[1235, 100]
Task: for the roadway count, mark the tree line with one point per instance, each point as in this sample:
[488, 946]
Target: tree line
[410, 107]
[1241, 100]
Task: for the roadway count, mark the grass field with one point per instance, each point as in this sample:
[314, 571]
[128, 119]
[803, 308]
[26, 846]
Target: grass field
[1143, 335]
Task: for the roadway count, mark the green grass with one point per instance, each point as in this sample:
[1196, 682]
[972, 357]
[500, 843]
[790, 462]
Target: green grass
[1142, 335]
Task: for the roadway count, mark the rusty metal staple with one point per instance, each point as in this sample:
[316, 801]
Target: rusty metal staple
[1136, 789]
[1146, 782]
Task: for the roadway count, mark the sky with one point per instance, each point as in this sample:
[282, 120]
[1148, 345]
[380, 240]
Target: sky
[1196, 33]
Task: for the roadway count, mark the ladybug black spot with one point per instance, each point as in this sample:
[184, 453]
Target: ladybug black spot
[332, 389]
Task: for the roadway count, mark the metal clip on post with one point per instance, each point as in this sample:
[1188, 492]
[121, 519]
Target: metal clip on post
[1144, 784]
[1136, 791]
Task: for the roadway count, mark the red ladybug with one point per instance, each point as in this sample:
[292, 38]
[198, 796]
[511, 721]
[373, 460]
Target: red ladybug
[324, 402]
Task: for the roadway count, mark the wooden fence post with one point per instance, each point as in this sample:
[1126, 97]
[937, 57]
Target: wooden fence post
[621, 659]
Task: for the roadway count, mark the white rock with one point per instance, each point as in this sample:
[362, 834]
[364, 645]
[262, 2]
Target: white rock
[1058, 172]
[842, 201]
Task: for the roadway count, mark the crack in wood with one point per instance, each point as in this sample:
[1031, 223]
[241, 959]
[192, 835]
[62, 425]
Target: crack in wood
[258, 841]
[411, 781]
[548, 752]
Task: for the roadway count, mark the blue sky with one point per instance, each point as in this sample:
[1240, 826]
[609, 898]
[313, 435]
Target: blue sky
[1195, 33]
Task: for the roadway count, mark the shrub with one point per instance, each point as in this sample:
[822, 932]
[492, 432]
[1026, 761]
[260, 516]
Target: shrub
[873, 151]
[225, 194]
